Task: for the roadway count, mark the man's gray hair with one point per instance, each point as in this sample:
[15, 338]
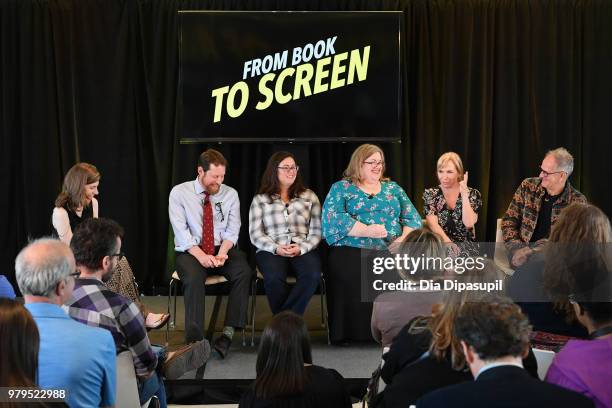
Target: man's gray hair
[564, 159]
[41, 265]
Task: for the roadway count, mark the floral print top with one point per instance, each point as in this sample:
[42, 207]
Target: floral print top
[346, 203]
[451, 221]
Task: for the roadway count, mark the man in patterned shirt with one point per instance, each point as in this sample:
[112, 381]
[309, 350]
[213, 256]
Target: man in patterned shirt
[536, 205]
[96, 244]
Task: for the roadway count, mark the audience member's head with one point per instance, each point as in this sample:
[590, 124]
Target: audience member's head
[578, 256]
[284, 349]
[444, 343]
[593, 315]
[19, 342]
[96, 245]
[423, 243]
[80, 185]
[493, 329]
[43, 270]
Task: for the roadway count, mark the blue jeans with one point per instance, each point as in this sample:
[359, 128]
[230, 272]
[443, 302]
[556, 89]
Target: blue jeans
[154, 385]
[307, 269]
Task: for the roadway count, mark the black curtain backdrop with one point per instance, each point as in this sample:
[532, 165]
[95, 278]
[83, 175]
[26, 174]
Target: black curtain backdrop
[498, 81]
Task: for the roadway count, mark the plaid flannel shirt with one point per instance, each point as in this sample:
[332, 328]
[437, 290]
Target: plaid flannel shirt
[93, 304]
[519, 222]
[271, 223]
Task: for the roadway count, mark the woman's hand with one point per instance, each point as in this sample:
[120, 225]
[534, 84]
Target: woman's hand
[463, 184]
[376, 231]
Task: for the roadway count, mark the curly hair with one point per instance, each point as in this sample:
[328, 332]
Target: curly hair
[94, 239]
[495, 327]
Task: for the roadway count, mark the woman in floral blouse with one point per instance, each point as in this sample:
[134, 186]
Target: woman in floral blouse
[445, 211]
[285, 227]
[365, 210]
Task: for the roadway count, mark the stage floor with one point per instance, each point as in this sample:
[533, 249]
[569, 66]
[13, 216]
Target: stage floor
[356, 361]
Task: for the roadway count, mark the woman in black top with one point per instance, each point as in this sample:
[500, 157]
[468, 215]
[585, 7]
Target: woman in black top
[76, 203]
[286, 377]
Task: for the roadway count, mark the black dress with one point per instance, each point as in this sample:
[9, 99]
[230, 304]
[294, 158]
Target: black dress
[325, 389]
[451, 221]
[74, 219]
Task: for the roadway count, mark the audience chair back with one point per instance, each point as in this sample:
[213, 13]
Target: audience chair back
[127, 385]
[544, 359]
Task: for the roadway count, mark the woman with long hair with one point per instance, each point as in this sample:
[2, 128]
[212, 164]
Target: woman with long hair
[451, 209]
[285, 227]
[364, 211]
[19, 342]
[285, 375]
[393, 309]
[76, 203]
[578, 236]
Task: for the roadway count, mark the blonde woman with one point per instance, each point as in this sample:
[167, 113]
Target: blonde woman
[364, 210]
[76, 203]
[451, 209]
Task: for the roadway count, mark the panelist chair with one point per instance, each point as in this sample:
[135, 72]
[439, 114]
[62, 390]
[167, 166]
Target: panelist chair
[290, 281]
[210, 281]
[501, 254]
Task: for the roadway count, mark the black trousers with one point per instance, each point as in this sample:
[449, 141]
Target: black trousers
[239, 274]
[349, 317]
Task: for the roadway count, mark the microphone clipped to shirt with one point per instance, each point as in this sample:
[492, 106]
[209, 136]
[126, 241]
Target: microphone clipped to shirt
[371, 196]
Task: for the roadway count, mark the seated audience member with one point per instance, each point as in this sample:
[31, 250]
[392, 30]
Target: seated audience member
[583, 270]
[579, 226]
[19, 342]
[76, 203]
[6, 289]
[285, 227]
[72, 357]
[97, 248]
[536, 206]
[286, 376]
[445, 206]
[393, 310]
[426, 354]
[584, 365]
[494, 337]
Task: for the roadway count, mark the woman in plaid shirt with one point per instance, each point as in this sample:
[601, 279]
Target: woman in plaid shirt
[285, 227]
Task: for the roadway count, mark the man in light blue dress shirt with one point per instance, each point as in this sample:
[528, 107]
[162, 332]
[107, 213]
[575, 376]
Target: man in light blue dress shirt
[72, 357]
[186, 211]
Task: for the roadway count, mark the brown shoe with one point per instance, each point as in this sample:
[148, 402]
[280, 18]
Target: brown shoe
[187, 358]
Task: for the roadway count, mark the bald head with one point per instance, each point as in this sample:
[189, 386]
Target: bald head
[41, 265]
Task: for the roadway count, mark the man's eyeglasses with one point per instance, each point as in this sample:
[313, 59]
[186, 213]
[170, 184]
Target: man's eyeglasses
[219, 209]
[119, 255]
[548, 173]
[287, 169]
[374, 163]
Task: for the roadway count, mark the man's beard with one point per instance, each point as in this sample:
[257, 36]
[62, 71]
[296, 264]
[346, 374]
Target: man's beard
[213, 189]
[108, 275]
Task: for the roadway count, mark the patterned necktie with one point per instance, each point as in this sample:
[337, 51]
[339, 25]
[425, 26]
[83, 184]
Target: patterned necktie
[208, 239]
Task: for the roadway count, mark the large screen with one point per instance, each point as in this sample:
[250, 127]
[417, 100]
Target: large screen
[289, 76]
